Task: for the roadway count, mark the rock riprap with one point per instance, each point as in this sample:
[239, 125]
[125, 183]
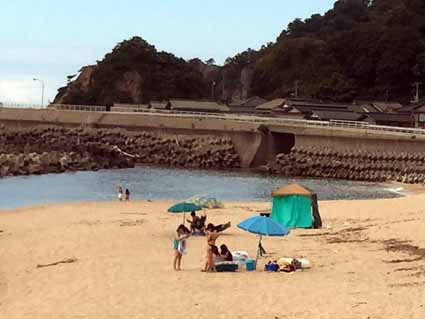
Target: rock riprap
[50, 149]
[351, 165]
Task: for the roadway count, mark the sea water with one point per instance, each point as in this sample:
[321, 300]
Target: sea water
[146, 182]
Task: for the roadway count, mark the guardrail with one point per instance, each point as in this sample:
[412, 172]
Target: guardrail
[289, 121]
[252, 118]
[74, 107]
[21, 106]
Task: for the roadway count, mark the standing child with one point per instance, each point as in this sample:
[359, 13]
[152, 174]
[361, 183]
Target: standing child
[120, 193]
[127, 194]
[179, 245]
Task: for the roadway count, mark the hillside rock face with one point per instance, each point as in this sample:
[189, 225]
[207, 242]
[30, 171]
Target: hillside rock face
[76, 90]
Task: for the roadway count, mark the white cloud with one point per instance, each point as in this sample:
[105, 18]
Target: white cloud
[25, 91]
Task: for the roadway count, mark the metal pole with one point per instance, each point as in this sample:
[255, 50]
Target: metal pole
[258, 251]
[212, 90]
[42, 90]
[42, 94]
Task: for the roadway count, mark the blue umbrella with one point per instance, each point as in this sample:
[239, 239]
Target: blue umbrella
[183, 208]
[262, 225]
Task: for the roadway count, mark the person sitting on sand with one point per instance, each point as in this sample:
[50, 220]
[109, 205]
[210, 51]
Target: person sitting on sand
[197, 224]
[216, 255]
[225, 253]
[212, 236]
[179, 245]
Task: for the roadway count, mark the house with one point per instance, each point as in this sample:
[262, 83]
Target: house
[390, 119]
[197, 106]
[327, 115]
[160, 105]
[376, 107]
[247, 105]
[305, 107]
[416, 112]
[269, 106]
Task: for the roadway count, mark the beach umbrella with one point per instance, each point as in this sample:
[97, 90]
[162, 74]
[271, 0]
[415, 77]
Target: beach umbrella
[205, 202]
[184, 207]
[263, 226]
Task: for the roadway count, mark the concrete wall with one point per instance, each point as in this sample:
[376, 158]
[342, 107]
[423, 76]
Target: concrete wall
[245, 136]
[359, 139]
[254, 146]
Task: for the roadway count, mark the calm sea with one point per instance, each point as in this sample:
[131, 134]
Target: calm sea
[164, 183]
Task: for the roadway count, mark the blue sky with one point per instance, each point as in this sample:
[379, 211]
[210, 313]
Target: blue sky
[52, 39]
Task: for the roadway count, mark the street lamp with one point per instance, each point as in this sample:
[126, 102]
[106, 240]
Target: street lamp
[42, 90]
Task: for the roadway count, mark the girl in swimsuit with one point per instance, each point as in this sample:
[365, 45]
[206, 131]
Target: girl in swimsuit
[212, 235]
[179, 245]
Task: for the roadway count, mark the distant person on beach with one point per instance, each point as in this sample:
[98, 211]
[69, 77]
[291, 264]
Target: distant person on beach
[120, 193]
[179, 245]
[127, 194]
[212, 235]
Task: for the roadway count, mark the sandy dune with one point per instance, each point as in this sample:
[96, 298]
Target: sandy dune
[365, 264]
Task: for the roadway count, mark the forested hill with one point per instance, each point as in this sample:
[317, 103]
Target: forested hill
[135, 72]
[359, 49]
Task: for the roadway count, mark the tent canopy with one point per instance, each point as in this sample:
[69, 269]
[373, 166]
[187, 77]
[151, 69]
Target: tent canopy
[291, 189]
[295, 206]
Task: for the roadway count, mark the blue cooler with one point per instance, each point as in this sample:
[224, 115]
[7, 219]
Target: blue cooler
[250, 265]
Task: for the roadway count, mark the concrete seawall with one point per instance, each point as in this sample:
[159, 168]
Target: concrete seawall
[246, 136]
[255, 142]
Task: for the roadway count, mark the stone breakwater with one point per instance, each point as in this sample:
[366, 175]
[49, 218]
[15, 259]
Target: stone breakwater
[53, 149]
[351, 165]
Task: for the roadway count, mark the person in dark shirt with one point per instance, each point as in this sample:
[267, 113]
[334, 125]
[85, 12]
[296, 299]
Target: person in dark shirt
[225, 253]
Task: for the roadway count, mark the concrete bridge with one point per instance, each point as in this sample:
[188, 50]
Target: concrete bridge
[257, 139]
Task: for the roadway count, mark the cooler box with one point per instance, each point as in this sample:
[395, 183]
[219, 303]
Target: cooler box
[250, 265]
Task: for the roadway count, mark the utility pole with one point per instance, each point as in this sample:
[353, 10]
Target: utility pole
[212, 90]
[416, 98]
[222, 87]
[387, 94]
[296, 88]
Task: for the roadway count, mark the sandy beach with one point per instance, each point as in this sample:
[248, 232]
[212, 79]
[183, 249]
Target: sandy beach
[368, 261]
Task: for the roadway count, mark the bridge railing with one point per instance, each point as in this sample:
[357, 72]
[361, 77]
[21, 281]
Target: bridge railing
[21, 105]
[74, 107]
[252, 118]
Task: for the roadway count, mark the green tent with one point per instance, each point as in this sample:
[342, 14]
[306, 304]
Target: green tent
[295, 207]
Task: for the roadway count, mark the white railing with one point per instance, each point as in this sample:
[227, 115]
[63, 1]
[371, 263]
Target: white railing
[21, 105]
[74, 107]
[251, 118]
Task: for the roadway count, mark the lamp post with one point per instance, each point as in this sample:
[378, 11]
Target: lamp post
[212, 90]
[42, 90]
